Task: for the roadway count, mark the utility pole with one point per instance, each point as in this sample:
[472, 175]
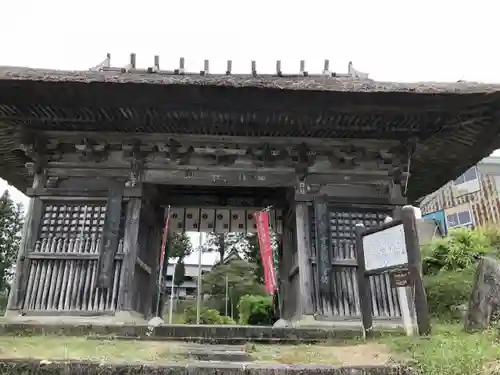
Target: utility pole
[198, 286]
[227, 295]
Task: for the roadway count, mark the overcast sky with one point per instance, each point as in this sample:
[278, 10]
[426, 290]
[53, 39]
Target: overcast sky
[390, 39]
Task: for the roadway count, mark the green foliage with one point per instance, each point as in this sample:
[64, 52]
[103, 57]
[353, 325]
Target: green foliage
[180, 273]
[449, 265]
[207, 316]
[11, 223]
[449, 351]
[180, 246]
[245, 244]
[256, 310]
[241, 281]
[448, 292]
[461, 249]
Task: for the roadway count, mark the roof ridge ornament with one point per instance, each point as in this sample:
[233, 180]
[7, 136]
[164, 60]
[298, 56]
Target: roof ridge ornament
[105, 66]
[354, 73]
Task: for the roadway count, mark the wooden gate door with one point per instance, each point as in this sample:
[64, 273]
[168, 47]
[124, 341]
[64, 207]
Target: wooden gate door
[333, 238]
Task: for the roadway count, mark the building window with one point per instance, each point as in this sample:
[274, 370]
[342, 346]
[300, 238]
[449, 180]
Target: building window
[469, 175]
[459, 219]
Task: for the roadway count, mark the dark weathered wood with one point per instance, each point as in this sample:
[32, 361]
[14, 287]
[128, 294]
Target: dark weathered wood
[79, 193]
[484, 302]
[67, 256]
[130, 249]
[415, 269]
[143, 265]
[58, 192]
[66, 313]
[29, 237]
[218, 140]
[302, 222]
[364, 290]
[323, 245]
[110, 236]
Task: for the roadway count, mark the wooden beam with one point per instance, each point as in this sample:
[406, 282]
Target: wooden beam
[66, 256]
[204, 140]
[143, 265]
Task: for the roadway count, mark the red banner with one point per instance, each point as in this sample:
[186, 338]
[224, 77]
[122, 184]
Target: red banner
[164, 244]
[266, 251]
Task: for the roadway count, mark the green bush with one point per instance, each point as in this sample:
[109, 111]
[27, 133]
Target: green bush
[207, 316]
[460, 250]
[256, 310]
[448, 292]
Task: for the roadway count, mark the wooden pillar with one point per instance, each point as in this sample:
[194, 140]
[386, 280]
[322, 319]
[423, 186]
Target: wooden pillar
[110, 237]
[130, 250]
[323, 253]
[306, 301]
[29, 237]
[415, 269]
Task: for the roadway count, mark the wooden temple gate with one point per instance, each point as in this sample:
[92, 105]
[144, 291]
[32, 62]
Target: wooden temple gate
[102, 152]
[68, 269]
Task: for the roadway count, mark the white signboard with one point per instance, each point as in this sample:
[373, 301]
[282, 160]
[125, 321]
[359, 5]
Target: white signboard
[386, 248]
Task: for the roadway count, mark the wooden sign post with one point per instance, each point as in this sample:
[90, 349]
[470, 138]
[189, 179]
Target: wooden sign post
[393, 247]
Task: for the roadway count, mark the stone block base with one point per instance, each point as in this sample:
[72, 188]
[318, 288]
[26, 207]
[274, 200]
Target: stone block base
[118, 318]
[310, 321]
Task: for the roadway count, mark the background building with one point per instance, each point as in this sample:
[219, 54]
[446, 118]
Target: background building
[473, 199]
[188, 287]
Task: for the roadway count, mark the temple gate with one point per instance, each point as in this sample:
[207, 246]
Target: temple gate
[106, 151]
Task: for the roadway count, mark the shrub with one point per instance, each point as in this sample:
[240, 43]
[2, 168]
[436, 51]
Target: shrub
[460, 250]
[448, 292]
[207, 316]
[256, 310]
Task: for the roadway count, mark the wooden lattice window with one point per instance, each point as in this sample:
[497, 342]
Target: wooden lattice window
[72, 220]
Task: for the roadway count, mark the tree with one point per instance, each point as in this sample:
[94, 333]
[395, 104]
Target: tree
[245, 244]
[241, 280]
[223, 243]
[11, 223]
[180, 273]
[180, 246]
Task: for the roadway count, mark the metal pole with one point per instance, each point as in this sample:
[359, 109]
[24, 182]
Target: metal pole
[227, 294]
[198, 286]
[171, 307]
[232, 308]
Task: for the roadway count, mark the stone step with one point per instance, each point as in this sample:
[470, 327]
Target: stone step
[224, 353]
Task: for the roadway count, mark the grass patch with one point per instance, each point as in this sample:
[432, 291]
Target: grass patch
[448, 351]
[79, 348]
[61, 348]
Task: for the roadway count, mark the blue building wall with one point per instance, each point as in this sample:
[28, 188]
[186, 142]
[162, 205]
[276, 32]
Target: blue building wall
[438, 216]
